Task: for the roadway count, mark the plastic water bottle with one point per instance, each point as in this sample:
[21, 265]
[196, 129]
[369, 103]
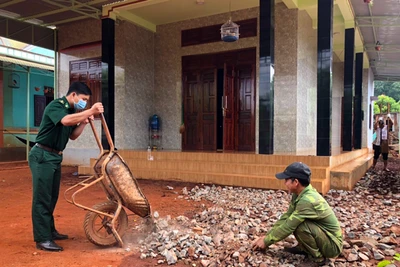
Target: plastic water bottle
[148, 153]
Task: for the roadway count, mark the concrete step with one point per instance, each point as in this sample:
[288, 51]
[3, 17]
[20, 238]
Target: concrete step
[228, 179]
[346, 175]
[227, 158]
[219, 167]
[254, 181]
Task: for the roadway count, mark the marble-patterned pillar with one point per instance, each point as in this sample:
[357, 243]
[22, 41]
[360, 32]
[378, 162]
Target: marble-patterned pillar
[324, 80]
[367, 107]
[108, 76]
[337, 95]
[348, 90]
[358, 116]
[266, 73]
[285, 80]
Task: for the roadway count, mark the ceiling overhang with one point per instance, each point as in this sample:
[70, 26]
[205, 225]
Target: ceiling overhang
[343, 18]
[380, 23]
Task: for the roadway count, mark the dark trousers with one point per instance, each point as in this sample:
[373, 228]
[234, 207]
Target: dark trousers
[46, 175]
[377, 153]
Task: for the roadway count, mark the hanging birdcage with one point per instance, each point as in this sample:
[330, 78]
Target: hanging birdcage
[230, 31]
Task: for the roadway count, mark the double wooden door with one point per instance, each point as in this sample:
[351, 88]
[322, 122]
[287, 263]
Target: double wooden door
[201, 95]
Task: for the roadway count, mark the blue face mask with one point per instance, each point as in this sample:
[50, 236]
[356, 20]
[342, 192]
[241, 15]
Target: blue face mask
[80, 105]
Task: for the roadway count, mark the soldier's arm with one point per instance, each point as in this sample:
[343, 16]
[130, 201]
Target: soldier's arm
[304, 210]
[74, 119]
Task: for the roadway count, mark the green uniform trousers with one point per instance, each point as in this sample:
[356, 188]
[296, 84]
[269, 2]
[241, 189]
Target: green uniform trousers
[315, 242]
[46, 175]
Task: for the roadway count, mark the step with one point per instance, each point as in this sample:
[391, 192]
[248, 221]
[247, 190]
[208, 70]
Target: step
[219, 167]
[227, 157]
[85, 170]
[347, 157]
[256, 181]
[253, 181]
[346, 175]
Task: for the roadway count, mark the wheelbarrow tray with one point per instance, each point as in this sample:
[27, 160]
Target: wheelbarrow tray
[125, 184]
[105, 182]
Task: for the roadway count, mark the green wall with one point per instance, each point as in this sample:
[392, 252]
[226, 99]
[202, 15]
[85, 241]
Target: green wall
[15, 102]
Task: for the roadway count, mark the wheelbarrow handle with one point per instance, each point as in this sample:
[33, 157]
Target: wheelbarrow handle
[96, 135]
[107, 132]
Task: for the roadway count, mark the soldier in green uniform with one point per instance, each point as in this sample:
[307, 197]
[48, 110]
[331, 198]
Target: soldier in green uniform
[309, 218]
[59, 124]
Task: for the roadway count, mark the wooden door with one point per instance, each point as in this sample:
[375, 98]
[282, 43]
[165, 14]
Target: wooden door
[208, 138]
[228, 106]
[191, 106]
[245, 130]
[89, 72]
[200, 118]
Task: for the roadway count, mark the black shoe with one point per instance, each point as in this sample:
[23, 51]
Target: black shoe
[49, 246]
[296, 250]
[57, 236]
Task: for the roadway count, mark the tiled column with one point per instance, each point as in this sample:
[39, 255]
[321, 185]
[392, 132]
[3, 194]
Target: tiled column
[324, 83]
[367, 104]
[286, 87]
[108, 76]
[266, 93]
[337, 96]
[348, 89]
[358, 101]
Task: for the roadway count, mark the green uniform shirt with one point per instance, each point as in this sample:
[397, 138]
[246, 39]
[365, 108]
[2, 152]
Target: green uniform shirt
[310, 205]
[52, 133]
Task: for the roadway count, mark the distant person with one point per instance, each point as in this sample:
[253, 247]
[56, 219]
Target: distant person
[59, 124]
[309, 218]
[381, 142]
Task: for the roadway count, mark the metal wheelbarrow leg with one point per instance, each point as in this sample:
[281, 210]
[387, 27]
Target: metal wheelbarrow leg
[106, 222]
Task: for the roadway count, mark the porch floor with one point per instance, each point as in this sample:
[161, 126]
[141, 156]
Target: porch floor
[243, 169]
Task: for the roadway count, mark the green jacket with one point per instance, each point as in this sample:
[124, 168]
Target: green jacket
[308, 205]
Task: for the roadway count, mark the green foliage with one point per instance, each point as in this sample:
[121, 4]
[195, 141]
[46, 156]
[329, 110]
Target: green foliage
[391, 89]
[384, 100]
[384, 263]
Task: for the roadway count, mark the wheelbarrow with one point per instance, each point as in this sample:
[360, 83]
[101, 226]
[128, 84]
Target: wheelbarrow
[106, 222]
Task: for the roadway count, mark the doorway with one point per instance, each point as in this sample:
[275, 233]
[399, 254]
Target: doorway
[219, 101]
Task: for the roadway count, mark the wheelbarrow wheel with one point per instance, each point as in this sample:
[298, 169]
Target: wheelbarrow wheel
[98, 227]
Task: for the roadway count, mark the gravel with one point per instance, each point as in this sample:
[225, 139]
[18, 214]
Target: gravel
[222, 234]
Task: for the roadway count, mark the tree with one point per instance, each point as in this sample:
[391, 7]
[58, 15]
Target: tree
[391, 89]
[383, 100]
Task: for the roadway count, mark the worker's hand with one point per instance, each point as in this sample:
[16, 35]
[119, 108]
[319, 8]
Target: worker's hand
[395, 154]
[259, 244]
[97, 108]
[86, 121]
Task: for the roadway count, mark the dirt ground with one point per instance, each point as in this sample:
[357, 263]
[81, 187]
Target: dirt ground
[16, 243]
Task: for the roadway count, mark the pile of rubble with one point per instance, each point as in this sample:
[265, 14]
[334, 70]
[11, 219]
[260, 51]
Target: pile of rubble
[222, 235]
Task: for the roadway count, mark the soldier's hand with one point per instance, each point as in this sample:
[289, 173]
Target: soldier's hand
[259, 244]
[86, 121]
[97, 108]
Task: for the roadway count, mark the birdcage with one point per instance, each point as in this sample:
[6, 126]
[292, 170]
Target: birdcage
[230, 32]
